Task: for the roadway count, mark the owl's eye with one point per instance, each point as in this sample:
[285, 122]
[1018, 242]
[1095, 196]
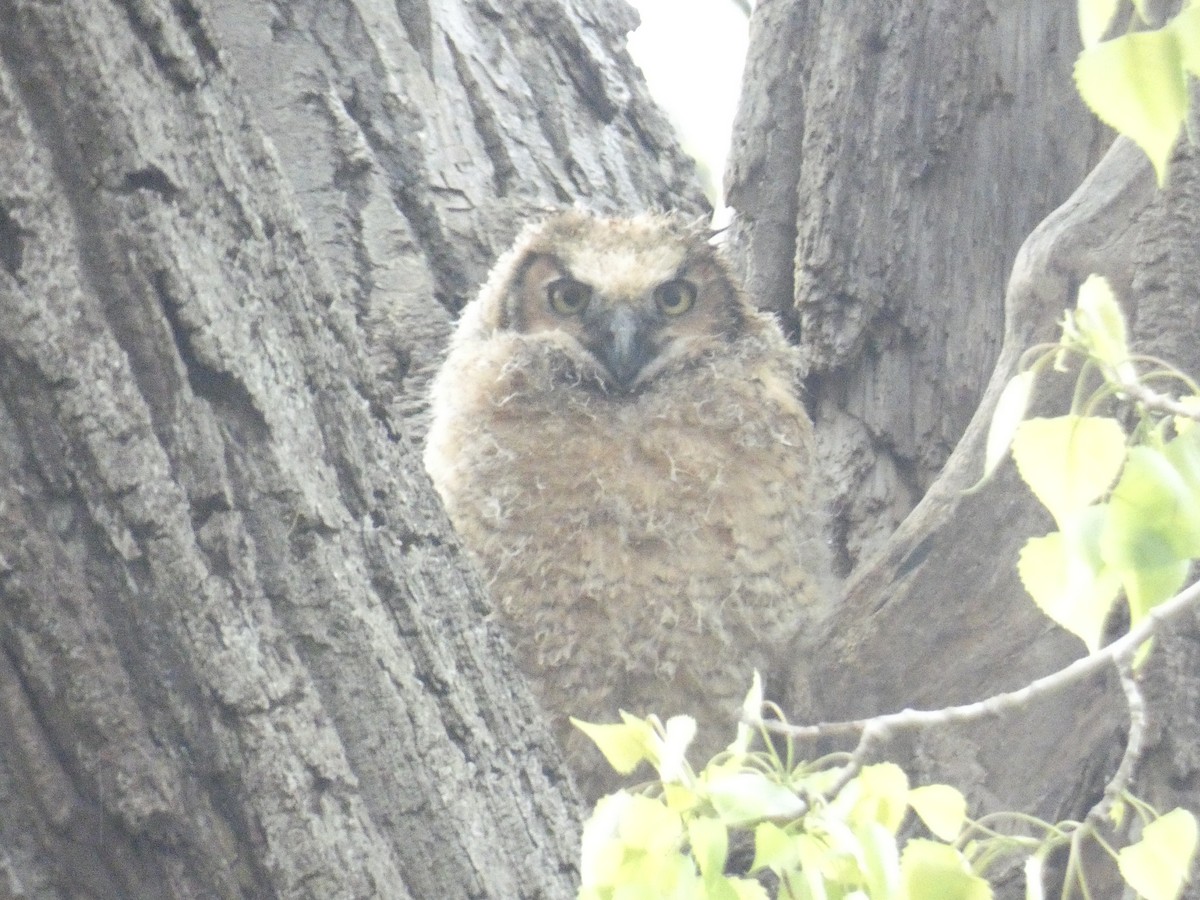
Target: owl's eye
[675, 297]
[567, 296]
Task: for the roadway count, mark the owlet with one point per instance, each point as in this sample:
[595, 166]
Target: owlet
[618, 441]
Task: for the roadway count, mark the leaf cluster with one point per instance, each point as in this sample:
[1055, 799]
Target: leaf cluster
[1137, 82]
[821, 830]
[1127, 504]
[816, 839]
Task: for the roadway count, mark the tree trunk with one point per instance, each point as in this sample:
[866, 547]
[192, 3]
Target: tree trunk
[888, 164]
[242, 654]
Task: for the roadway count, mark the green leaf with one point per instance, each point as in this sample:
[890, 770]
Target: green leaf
[624, 745]
[942, 808]
[648, 825]
[632, 849]
[774, 848]
[1186, 26]
[658, 877]
[1157, 866]
[843, 861]
[814, 859]
[1146, 588]
[1135, 83]
[933, 871]
[751, 710]
[1094, 18]
[1101, 325]
[1183, 453]
[602, 851]
[1068, 461]
[1010, 411]
[879, 794]
[748, 889]
[710, 844]
[1154, 519]
[1156, 527]
[743, 797]
[1066, 587]
[880, 859]
[680, 798]
[671, 753]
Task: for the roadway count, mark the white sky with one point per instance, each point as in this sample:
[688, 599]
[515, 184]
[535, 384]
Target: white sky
[691, 52]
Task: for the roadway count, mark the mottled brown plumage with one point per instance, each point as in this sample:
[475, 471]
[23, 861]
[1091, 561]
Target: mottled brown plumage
[617, 439]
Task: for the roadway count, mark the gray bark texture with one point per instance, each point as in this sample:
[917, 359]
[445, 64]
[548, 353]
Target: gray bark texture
[889, 164]
[241, 655]
[939, 616]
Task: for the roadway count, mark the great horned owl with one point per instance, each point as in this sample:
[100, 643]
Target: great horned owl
[617, 439]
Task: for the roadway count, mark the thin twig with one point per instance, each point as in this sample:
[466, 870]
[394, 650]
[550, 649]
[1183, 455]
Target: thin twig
[870, 739]
[1119, 651]
[1154, 400]
[1133, 746]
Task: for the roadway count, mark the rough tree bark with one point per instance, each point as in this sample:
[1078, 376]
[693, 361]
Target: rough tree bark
[911, 148]
[241, 653]
[888, 165]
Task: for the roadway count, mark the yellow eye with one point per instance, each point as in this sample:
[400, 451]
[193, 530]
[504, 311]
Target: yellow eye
[567, 296]
[675, 297]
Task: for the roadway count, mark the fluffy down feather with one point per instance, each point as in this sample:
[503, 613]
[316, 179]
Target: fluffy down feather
[648, 545]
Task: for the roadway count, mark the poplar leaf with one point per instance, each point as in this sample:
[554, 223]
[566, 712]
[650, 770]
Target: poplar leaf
[602, 851]
[1067, 588]
[710, 845]
[774, 848]
[1183, 452]
[648, 825]
[1094, 18]
[878, 795]
[1186, 26]
[1135, 83]
[1068, 461]
[1101, 324]
[624, 745]
[1157, 866]
[747, 796]
[751, 711]
[934, 871]
[1010, 411]
[942, 808]
[880, 860]
[1154, 516]
[1147, 587]
[672, 750]
[813, 860]
[748, 889]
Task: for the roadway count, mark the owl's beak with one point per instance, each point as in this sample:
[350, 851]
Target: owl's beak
[623, 344]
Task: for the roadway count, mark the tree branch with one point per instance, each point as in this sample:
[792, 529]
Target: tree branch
[1154, 400]
[1133, 745]
[1117, 653]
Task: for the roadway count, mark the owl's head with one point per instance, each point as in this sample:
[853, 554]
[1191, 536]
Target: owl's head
[627, 298]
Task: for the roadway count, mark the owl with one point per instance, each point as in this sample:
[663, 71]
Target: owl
[617, 439]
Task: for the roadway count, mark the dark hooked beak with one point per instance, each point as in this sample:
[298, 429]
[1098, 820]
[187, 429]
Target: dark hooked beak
[623, 344]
